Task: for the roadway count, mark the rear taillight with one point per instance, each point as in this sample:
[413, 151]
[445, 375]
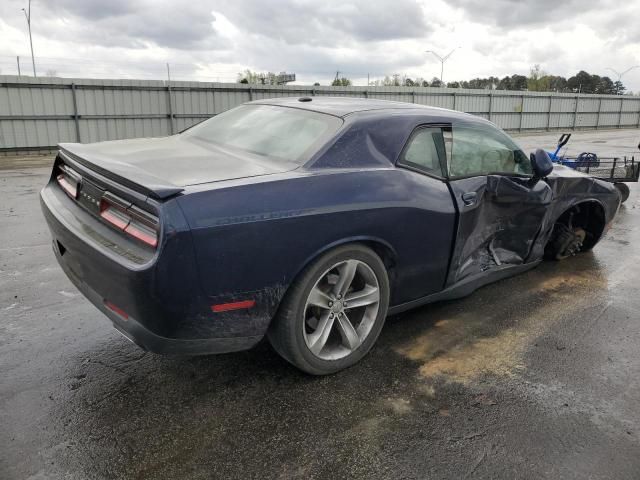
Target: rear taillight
[142, 232]
[135, 222]
[114, 211]
[69, 181]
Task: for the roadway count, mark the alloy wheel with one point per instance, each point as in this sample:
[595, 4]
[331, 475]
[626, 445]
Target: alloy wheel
[341, 310]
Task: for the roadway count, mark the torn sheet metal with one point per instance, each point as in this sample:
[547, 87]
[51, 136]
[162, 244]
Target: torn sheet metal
[499, 226]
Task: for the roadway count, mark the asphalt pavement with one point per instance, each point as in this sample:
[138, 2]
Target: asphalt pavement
[537, 376]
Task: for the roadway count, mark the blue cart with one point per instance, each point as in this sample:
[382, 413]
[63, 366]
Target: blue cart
[617, 170]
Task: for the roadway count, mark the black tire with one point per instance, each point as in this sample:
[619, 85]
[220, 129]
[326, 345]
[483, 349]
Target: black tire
[286, 332]
[623, 190]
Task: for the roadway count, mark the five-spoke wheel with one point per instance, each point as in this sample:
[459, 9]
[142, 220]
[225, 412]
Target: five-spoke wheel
[334, 311]
[341, 309]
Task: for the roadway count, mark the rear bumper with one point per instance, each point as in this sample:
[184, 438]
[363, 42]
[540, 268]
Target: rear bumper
[164, 311]
[137, 333]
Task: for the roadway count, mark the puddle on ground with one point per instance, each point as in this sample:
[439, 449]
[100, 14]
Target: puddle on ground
[499, 355]
[493, 337]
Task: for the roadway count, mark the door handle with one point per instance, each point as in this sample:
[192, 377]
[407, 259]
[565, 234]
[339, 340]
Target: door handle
[469, 198]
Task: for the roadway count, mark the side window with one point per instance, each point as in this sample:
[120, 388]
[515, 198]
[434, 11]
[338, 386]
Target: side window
[484, 149]
[424, 151]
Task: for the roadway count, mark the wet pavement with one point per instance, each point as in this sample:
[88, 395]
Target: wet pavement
[531, 377]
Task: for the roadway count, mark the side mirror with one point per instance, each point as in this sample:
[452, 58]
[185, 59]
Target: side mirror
[541, 164]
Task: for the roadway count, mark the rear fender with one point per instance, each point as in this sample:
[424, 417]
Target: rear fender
[382, 248]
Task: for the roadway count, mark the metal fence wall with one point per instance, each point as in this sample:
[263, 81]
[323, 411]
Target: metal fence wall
[38, 113]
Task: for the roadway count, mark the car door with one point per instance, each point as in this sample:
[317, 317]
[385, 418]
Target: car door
[501, 210]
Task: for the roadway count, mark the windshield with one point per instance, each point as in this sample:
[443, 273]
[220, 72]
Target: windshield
[288, 134]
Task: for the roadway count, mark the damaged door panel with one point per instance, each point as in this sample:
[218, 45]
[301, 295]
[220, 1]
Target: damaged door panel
[499, 218]
[500, 208]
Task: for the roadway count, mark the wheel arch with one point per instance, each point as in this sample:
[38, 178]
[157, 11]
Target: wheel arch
[593, 212]
[381, 247]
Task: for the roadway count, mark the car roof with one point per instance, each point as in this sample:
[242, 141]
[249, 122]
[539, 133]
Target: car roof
[343, 106]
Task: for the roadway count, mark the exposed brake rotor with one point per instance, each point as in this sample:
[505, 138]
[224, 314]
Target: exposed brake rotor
[571, 241]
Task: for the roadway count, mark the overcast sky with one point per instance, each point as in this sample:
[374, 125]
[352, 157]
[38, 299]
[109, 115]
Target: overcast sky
[215, 39]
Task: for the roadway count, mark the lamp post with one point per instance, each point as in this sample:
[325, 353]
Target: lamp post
[27, 14]
[621, 74]
[442, 60]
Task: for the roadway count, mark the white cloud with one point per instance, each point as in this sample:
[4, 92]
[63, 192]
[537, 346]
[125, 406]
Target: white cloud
[214, 40]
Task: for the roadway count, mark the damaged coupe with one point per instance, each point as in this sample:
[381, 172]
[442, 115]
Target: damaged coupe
[308, 221]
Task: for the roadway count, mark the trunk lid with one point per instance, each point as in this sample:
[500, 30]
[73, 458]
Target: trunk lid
[162, 167]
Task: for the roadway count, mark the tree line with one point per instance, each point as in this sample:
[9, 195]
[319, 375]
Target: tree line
[536, 81]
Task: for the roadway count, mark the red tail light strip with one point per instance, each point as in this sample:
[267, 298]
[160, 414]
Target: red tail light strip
[142, 233]
[69, 180]
[114, 217]
[115, 211]
[226, 307]
[67, 186]
[133, 221]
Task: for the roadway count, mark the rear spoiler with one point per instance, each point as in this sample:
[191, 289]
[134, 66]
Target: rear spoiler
[124, 174]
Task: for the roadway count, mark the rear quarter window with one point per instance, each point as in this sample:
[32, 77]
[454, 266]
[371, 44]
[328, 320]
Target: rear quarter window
[424, 151]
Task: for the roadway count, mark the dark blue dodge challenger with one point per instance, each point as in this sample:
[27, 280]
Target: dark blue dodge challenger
[307, 220]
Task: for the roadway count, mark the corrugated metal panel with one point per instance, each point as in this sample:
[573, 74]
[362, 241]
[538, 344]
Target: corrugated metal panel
[536, 104]
[608, 119]
[610, 105]
[183, 123]
[584, 120]
[507, 103]
[473, 103]
[198, 102]
[506, 121]
[442, 101]
[629, 119]
[631, 105]
[534, 121]
[112, 129]
[140, 108]
[561, 120]
[563, 104]
[589, 105]
[224, 100]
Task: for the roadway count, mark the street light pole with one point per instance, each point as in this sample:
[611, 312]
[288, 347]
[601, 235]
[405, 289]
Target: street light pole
[621, 74]
[27, 14]
[442, 60]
